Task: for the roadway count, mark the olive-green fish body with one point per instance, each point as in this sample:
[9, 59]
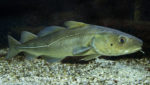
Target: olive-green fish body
[78, 39]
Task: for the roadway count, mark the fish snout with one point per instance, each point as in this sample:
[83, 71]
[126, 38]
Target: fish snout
[140, 43]
[137, 45]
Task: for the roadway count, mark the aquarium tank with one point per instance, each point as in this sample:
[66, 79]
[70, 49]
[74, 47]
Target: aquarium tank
[74, 42]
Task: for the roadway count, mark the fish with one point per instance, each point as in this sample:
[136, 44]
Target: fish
[54, 43]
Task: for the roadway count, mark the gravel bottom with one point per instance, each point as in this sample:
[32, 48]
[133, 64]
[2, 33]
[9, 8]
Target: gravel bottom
[96, 72]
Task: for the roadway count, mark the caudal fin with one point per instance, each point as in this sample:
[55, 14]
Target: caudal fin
[13, 51]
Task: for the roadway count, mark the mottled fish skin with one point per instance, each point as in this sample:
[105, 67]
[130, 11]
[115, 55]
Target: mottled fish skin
[59, 44]
[79, 39]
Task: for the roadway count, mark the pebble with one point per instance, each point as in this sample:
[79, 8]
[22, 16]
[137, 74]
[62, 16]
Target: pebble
[99, 71]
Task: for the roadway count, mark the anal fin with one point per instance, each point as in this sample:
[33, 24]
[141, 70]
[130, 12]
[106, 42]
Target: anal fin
[51, 60]
[90, 57]
[29, 56]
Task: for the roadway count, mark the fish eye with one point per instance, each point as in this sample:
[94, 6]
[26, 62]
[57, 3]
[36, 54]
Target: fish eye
[111, 44]
[122, 40]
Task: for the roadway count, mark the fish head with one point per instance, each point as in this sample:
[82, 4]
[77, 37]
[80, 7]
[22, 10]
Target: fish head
[117, 43]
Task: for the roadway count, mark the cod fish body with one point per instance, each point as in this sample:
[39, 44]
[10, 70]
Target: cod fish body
[76, 39]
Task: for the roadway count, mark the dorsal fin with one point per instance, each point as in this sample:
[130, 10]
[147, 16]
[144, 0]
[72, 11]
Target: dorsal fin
[74, 24]
[26, 36]
[50, 29]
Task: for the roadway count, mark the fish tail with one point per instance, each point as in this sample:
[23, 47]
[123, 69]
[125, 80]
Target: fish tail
[12, 47]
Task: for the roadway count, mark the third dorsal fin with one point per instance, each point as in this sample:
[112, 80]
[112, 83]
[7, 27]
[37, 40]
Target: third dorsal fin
[26, 36]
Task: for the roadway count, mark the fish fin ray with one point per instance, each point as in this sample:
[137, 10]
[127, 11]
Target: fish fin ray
[26, 36]
[80, 50]
[74, 24]
[12, 47]
[49, 30]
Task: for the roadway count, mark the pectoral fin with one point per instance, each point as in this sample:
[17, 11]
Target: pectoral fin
[78, 51]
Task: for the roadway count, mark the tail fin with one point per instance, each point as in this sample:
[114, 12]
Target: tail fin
[12, 47]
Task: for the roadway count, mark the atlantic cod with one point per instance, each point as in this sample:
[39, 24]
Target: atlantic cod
[75, 39]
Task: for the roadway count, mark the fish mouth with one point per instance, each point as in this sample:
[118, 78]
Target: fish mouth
[138, 49]
[133, 50]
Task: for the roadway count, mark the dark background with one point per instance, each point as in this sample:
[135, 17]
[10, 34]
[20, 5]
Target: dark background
[131, 16]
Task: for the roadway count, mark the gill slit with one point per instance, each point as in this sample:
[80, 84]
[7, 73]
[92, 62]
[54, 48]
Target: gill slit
[95, 49]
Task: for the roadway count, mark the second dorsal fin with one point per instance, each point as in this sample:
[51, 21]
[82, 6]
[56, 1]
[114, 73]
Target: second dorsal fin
[74, 24]
[49, 30]
[26, 36]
